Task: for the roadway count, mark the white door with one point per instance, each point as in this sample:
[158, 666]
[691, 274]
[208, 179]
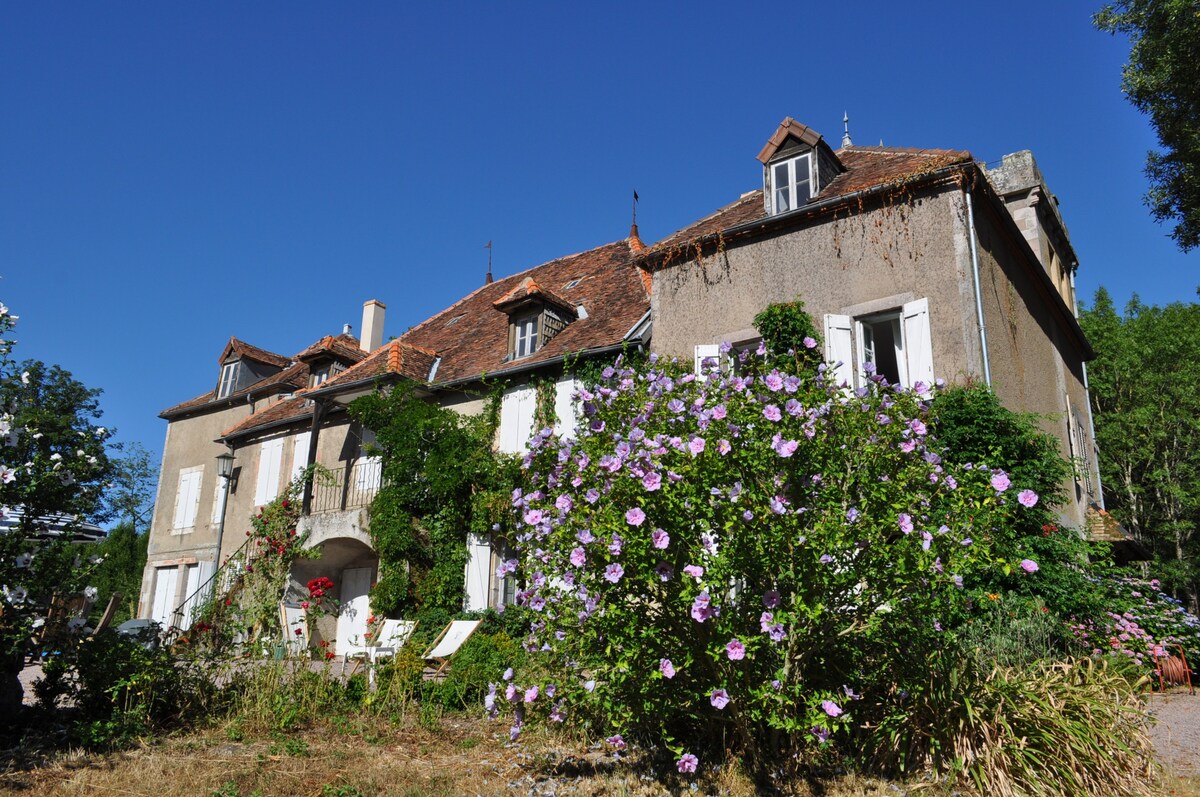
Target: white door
[166, 581]
[352, 618]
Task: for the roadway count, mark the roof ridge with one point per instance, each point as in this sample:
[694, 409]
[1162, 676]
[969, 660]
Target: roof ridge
[445, 310]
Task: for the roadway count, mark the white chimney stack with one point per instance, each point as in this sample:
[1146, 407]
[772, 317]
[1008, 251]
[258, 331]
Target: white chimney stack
[372, 325]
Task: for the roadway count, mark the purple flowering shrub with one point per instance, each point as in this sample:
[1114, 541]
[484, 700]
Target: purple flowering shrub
[753, 561]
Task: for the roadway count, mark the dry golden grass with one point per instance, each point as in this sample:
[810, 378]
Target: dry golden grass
[364, 757]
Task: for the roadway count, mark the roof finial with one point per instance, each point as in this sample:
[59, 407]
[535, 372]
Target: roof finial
[635, 241]
[488, 280]
[846, 142]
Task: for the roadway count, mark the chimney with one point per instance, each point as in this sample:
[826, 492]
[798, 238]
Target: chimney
[372, 325]
[635, 240]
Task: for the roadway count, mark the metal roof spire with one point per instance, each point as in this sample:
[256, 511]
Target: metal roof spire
[846, 142]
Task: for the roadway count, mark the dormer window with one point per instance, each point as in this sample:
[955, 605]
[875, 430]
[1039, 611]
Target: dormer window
[792, 182]
[525, 336]
[535, 316]
[229, 374]
[797, 166]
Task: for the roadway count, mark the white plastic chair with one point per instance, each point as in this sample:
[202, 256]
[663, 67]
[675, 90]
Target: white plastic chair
[392, 636]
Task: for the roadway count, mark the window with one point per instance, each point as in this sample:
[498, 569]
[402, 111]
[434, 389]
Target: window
[187, 499]
[896, 343]
[525, 339]
[323, 373]
[791, 183]
[229, 374]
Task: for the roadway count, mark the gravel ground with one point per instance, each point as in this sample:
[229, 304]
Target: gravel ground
[1176, 734]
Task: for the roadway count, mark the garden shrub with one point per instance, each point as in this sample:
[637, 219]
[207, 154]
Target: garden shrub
[754, 561]
[123, 687]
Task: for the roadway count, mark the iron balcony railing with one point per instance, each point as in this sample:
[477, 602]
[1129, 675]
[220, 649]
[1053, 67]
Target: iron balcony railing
[347, 488]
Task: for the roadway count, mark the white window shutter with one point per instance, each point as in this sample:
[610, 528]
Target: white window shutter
[270, 459]
[705, 351]
[187, 498]
[918, 344]
[219, 499]
[477, 574]
[516, 419]
[839, 347]
[564, 407]
[299, 454]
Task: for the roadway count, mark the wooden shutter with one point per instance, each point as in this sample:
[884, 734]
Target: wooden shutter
[187, 498]
[839, 348]
[564, 407]
[270, 460]
[477, 573]
[299, 454]
[918, 344]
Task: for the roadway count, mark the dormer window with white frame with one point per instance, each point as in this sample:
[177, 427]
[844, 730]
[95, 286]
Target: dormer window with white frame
[535, 316]
[229, 378]
[797, 166]
[791, 183]
[525, 336]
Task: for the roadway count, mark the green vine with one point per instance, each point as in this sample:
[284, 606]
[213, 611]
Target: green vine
[442, 478]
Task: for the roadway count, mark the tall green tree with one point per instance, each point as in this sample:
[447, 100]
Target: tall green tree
[54, 466]
[130, 495]
[1162, 79]
[1145, 388]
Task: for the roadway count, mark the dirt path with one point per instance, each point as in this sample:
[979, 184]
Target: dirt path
[1176, 734]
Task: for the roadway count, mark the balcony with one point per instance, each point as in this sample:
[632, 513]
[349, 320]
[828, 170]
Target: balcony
[345, 488]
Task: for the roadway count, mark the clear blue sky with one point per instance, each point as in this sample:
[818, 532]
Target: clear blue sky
[174, 173]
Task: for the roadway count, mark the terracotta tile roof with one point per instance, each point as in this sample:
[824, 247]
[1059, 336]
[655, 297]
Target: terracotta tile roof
[471, 336]
[245, 351]
[289, 380]
[603, 280]
[292, 409]
[866, 167]
[529, 289]
[393, 357]
[788, 128]
[343, 347]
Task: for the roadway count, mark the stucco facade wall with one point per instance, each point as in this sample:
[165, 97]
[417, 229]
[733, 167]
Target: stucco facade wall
[189, 444]
[882, 257]
[1035, 364]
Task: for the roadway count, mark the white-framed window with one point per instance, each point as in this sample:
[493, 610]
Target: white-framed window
[525, 336]
[896, 342]
[229, 374]
[270, 461]
[791, 183]
[187, 499]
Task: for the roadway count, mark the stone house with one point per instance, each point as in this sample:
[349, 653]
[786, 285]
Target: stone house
[292, 413]
[921, 261]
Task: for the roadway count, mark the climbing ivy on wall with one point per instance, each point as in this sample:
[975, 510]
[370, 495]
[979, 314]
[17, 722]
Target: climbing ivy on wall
[441, 479]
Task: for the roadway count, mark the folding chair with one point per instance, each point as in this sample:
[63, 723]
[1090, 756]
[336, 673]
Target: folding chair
[447, 644]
